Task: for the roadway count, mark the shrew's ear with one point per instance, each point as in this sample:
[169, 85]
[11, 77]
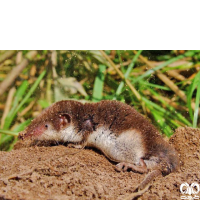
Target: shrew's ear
[64, 120]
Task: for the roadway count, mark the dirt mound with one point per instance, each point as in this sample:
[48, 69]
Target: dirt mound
[59, 172]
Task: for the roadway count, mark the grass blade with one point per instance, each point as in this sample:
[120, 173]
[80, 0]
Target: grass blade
[128, 71]
[195, 83]
[160, 121]
[174, 113]
[166, 114]
[22, 126]
[98, 84]
[18, 96]
[7, 132]
[32, 89]
[149, 72]
[196, 109]
[155, 85]
[8, 135]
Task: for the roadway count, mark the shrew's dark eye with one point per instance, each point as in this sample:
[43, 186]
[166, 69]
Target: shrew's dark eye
[46, 125]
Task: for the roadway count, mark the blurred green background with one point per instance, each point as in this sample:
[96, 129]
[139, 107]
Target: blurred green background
[162, 85]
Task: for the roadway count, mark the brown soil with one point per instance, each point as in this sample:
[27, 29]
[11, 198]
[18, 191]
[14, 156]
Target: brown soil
[60, 172]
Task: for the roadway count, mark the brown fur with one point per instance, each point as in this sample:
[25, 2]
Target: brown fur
[52, 113]
[116, 116]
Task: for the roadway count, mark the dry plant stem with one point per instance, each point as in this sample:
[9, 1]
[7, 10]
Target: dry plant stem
[49, 83]
[2, 106]
[171, 85]
[8, 105]
[119, 65]
[16, 71]
[19, 58]
[176, 75]
[6, 55]
[54, 73]
[83, 81]
[177, 63]
[48, 94]
[87, 66]
[171, 103]
[26, 109]
[180, 123]
[48, 91]
[192, 76]
[167, 100]
[54, 63]
[166, 80]
[54, 58]
[112, 64]
[135, 92]
[60, 60]
[175, 88]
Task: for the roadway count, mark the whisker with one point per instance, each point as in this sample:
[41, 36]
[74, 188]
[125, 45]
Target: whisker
[57, 142]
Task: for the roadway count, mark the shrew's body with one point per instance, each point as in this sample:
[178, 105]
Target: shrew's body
[115, 128]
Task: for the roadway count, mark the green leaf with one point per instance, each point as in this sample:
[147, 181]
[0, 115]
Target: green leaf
[155, 85]
[8, 135]
[161, 122]
[128, 71]
[22, 126]
[18, 96]
[174, 113]
[98, 84]
[25, 99]
[196, 109]
[195, 83]
[166, 114]
[43, 103]
[149, 72]
[13, 133]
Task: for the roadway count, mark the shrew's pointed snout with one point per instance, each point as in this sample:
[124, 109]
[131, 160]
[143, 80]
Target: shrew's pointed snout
[22, 135]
